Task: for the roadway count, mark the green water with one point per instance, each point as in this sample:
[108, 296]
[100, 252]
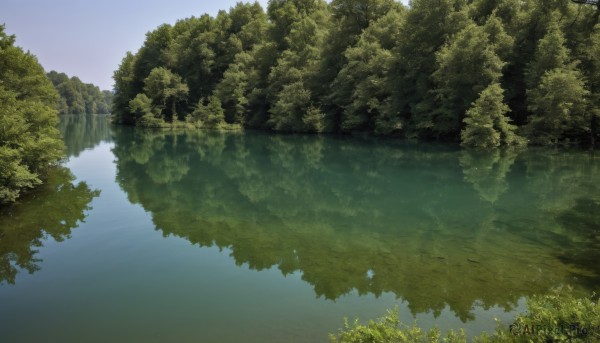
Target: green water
[229, 237]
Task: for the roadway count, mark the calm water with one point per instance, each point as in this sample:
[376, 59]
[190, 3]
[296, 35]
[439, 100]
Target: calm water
[230, 237]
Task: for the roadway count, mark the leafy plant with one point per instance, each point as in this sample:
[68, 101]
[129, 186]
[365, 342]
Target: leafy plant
[558, 316]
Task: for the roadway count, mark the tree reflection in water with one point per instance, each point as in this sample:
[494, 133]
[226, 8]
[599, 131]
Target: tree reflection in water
[51, 211]
[82, 132]
[432, 224]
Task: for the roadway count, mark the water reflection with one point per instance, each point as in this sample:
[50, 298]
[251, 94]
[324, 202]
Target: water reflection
[83, 132]
[432, 224]
[487, 171]
[583, 248]
[53, 210]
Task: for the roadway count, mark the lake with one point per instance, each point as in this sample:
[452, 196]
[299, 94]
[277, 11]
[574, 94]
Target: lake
[154, 236]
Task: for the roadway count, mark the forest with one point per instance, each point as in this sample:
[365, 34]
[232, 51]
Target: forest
[77, 97]
[486, 72]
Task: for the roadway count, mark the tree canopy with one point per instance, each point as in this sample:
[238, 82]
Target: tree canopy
[29, 139]
[376, 66]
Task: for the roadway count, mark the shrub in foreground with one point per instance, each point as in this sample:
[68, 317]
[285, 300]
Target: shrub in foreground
[555, 317]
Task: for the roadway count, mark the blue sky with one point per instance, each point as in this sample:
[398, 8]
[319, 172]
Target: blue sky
[89, 38]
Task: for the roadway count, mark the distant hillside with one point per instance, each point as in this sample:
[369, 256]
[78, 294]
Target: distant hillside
[77, 97]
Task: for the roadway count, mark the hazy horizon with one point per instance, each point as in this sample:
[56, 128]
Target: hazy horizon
[89, 39]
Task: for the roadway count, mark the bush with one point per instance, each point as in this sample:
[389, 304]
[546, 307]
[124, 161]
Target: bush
[389, 329]
[560, 317]
[555, 317]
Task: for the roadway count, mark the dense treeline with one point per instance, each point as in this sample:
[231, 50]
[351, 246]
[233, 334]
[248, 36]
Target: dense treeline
[486, 72]
[29, 139]
[77, 97]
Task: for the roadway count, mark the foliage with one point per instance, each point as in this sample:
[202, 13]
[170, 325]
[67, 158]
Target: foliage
[559, 104]
[166, 92]
[557, 94]
[145, 113]
[29, 139]
[125, 91]
[77, 97]
[562, 317]
[378, 66]
[358, 88]
[386, 329]
[428, 26]
[554, 317]
[486, 123]
[210, 115]
[293, 81]
[14, 173]
[466, 67]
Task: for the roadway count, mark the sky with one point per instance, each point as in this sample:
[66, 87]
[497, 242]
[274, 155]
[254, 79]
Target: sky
[89, 38]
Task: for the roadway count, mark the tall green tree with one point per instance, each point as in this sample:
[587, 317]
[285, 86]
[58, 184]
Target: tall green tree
[559, 104]
[241, 87]
[293, 80]
[551, 53]
[590, 67]
[359, 86]
[487, 125]
[153, 54]
[233, 89]
[29, 140]
[557, 94]
[243, 90]
[167, 92]
[530, 24]
[428, 26]
[124, 90]
[283, 14]
[466, 66]
[349, 19]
